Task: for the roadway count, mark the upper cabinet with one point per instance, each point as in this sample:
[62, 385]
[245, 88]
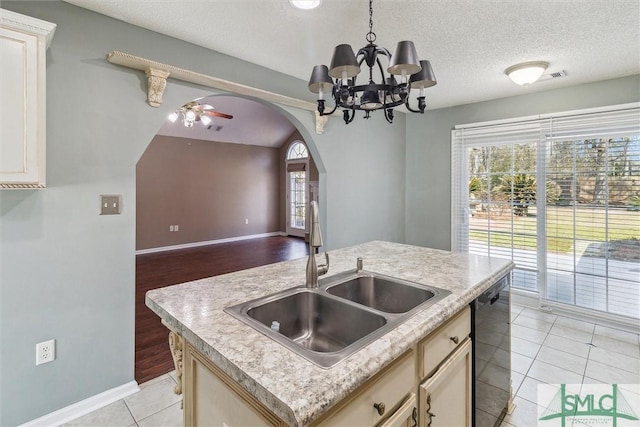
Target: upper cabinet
[23, 46]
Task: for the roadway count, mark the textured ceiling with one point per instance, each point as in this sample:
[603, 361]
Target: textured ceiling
[469, 42]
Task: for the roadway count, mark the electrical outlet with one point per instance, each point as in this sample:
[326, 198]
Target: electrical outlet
[171, 228]
[246, 221]
[176, 228]
[45, 352]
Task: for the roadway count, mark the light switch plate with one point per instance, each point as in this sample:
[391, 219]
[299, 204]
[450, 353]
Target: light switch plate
[110, 204]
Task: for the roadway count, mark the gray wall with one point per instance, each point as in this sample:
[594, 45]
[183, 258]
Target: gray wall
[68, 273]
[207, 188]
[428, 147]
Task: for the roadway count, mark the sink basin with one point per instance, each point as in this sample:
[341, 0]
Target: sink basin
[388, 295]
[312, 323]
[316, 322]
[345, 313]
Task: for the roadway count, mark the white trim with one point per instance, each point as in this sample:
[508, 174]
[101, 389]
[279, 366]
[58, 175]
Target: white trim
[208, 242]
[531, 300]
[605, 109]
[520, 120]
[78, 409]
[517, 120]
[27, 24]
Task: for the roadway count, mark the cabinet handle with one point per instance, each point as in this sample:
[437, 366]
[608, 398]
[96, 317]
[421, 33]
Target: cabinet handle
[455, 339]
[430, 414]
[379, 407]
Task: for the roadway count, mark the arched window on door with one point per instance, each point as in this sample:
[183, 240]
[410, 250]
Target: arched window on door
[297, 182]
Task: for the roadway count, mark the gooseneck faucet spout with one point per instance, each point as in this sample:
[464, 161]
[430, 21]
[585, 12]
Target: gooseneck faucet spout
[315, 241]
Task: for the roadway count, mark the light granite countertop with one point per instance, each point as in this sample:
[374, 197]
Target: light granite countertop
[293, 388]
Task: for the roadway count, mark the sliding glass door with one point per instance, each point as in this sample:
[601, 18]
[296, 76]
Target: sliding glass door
[560, 196]
[593, 225]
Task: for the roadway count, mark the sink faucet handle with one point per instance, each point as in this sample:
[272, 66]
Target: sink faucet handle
[324, 268]
[359, 264]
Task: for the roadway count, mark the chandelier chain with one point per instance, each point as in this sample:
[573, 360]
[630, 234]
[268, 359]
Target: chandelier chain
[371, 36]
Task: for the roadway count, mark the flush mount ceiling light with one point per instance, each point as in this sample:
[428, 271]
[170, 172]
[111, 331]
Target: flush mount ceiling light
[305, 4]
[384, 94]
[193, 112]
[527, 72]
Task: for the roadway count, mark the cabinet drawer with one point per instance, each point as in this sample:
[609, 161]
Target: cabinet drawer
[405, 416]
[389, 387]
[440, 343]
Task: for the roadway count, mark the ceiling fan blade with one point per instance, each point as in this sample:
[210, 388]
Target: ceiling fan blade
[190, 105]
[216, 114]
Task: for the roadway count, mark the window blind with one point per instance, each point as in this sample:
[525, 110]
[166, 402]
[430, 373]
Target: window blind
[582, 246]
[489, 217]
[592, 225]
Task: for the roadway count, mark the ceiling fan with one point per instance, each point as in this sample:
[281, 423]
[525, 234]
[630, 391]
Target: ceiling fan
[193, 111]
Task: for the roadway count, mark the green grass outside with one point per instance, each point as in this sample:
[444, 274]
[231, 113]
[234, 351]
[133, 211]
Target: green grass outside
[590, 225]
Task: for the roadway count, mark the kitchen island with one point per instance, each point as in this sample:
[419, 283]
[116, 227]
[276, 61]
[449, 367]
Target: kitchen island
[290, 388]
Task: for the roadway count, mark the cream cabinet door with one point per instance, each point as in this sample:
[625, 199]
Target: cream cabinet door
[445, 397]
[23, 100]
[211, 398]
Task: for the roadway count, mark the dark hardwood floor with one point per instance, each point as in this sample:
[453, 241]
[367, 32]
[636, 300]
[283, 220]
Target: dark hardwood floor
[152, 355]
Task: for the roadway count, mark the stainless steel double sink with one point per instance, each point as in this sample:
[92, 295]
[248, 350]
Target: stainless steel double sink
[345, 313]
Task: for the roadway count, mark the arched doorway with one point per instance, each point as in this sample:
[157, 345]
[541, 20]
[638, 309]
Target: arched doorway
[209, 192]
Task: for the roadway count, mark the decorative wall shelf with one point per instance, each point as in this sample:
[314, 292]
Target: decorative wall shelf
[157, 74]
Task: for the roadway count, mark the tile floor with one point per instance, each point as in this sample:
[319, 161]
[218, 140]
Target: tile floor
[552, 349]
[546, 348]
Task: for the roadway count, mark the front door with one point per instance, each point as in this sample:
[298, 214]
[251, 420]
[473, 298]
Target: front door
[297, 203]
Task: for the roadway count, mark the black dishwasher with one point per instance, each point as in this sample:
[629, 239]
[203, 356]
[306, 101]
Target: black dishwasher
[491, 343]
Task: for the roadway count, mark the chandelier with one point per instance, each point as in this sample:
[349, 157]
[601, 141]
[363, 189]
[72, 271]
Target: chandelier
[406, 72]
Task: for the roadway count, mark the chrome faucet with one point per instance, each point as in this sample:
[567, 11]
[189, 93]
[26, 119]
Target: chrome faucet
[315, 241]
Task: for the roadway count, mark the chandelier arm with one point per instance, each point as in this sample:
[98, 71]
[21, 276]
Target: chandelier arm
[384, 79]
[388, 89]
[348, 118]
[388, 114]
[335, 107]
[406, 104]
[421, 105]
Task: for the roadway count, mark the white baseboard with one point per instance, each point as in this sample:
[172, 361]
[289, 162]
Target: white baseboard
[71, 412]
[208, 242]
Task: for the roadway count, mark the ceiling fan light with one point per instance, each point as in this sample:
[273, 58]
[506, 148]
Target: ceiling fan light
[173, 117]
[527, 72]
[305, 4]
[205, 119]
[344, 62]
[404, 58]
